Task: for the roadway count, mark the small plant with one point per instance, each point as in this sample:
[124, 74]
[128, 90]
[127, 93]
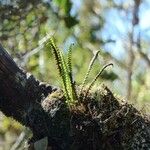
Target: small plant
[65, 71]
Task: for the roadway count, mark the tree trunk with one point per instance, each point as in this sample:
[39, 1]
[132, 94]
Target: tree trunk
[101, 122]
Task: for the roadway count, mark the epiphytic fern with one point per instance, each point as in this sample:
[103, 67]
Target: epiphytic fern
[69, 65]
[65, 71]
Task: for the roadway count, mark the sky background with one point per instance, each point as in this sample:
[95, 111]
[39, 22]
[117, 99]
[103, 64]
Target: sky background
[117, 25]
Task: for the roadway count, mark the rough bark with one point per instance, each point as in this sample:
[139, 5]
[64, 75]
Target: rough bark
[21, 93]
[101, 122]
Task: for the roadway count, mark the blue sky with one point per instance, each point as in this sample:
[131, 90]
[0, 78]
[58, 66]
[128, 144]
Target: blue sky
[117, 26]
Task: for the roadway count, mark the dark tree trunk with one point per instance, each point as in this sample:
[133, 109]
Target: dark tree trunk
[100, 123]
[20, 93]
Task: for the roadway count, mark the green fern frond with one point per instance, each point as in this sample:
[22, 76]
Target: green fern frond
[89, 70]
[69, 64]
[69, 73]
[65, 71]
[69, 56]
[56, 55]
[61, 66]
[97, 76]
[65, 77]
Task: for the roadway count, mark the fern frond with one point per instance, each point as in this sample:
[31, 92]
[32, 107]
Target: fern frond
[66, 78]
[56, 55]
[65, 71]
[89, 70]
[69, 56]
[72, 83]
[60, 62]
[97, 76]
[69, 73]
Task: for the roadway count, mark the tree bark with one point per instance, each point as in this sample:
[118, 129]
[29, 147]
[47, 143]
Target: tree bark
[101, 122]
[21, 93]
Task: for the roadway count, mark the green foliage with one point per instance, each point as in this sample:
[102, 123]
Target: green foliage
[65, 71]
[70, 21]
[65, 5]
[65, 8]
[109, 76]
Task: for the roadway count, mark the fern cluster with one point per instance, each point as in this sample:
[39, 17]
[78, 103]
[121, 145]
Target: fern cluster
[65, 71]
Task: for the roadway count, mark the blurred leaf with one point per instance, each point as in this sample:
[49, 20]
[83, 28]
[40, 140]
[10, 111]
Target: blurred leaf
[70, 21]
[10, 124]
[65, 8]
[109, 76]
[65, 5]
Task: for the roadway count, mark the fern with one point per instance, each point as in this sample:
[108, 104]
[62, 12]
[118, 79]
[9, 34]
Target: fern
[60, 64]
[69, 60]
[69, 64]
[65, 71]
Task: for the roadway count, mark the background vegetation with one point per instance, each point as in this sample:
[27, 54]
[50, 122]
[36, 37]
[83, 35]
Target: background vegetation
[119, 29]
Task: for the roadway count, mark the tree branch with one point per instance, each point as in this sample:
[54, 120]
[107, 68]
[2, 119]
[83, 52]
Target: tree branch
[101, 122]
[20, 92]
